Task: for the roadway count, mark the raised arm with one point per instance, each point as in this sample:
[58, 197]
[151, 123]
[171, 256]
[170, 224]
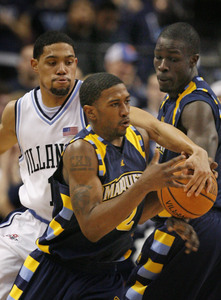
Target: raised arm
[7, 128]
[175, 140]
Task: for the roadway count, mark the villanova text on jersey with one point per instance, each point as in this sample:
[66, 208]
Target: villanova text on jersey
[40, 158]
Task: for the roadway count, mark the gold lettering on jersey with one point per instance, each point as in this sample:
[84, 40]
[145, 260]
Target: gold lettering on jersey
[120, 185]
[127, 224]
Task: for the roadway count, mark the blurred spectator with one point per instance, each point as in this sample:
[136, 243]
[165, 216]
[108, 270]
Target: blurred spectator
[15, 31]
[132, 6]
[26, 78]
[106, 23]
[79, 74]
[204, 15]
[106, 31]
[143, 31]
[48, 15]
[146, 25]
[170, 11]
[120, 60]
[80, 22]
[154, 95]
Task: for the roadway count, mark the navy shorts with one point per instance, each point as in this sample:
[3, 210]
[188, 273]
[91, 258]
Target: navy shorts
[42, 278]
[165, 271]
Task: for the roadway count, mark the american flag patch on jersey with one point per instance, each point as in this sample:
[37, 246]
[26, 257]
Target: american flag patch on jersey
[70, 130]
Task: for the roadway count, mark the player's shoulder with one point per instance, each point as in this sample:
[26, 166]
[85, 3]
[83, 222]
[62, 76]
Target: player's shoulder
[9, 109]
[78, 146]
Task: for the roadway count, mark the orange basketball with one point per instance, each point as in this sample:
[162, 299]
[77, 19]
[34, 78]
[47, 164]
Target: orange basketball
[176, 202]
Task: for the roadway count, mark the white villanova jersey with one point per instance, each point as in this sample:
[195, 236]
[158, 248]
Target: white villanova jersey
[42, 140]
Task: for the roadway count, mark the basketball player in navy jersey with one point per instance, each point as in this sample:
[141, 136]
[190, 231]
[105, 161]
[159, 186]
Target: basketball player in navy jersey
[42, 122]
[98, 192]
[164, 271]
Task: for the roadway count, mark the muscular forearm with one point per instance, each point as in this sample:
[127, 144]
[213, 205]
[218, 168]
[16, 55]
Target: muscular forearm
[164, 134]
[152, 207]
[173, 139]
[106, 216]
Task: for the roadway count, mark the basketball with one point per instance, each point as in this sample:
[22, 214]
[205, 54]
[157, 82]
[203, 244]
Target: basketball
[175, 200]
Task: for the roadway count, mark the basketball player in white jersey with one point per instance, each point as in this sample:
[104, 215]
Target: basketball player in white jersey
[42, 122]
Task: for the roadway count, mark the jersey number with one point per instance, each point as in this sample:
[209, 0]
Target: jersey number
[127, 224]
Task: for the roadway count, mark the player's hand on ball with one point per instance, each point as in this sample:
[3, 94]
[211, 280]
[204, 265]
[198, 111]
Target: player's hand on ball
[185, 231]
[202, 166]
[166, 173]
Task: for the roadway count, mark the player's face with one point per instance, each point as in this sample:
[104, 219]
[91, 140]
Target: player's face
[172, 65]
[56, 68]
[112, 113]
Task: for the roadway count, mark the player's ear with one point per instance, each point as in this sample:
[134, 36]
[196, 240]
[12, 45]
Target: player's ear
[193, 60]
[90, 112]
[34, 64]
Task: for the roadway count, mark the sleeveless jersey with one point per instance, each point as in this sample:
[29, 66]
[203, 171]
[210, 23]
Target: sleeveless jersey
[117, 172]
[171, 110]
[41, 140]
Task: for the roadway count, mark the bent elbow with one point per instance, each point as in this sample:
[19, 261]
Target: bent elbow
[92, 235]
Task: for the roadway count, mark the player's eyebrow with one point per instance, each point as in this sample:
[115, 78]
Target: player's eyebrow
[117, 99]
[55, 56]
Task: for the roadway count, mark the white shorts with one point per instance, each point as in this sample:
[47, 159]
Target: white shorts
[17, 239]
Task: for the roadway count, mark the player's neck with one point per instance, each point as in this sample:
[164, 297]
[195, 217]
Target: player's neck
[51, 100]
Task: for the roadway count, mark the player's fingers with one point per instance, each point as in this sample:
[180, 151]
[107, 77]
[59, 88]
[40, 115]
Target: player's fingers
[192, 243]
[185, 231]
[215, 173]
[213, 164]
[195, 185]
[175, 179]
[190, 236]
[174, 161]
[174, 182]
[209, 184]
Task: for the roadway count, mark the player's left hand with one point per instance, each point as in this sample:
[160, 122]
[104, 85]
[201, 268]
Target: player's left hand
[185, 231]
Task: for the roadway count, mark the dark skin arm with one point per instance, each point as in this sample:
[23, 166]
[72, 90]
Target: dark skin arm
[175, 140]
[95, 217]
[197, 121]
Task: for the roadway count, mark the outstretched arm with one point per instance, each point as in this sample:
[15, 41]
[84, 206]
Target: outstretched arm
[175, 140]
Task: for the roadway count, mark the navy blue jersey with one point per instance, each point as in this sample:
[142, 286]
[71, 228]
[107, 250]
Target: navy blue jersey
[163, 267]
[171, 110]
[117, 171]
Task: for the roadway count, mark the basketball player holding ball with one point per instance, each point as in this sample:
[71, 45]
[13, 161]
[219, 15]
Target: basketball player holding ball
[164, 270]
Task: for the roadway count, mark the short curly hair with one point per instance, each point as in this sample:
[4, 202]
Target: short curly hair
[184, 32]
[94, 84]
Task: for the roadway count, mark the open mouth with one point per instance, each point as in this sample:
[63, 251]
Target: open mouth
[125, 123]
